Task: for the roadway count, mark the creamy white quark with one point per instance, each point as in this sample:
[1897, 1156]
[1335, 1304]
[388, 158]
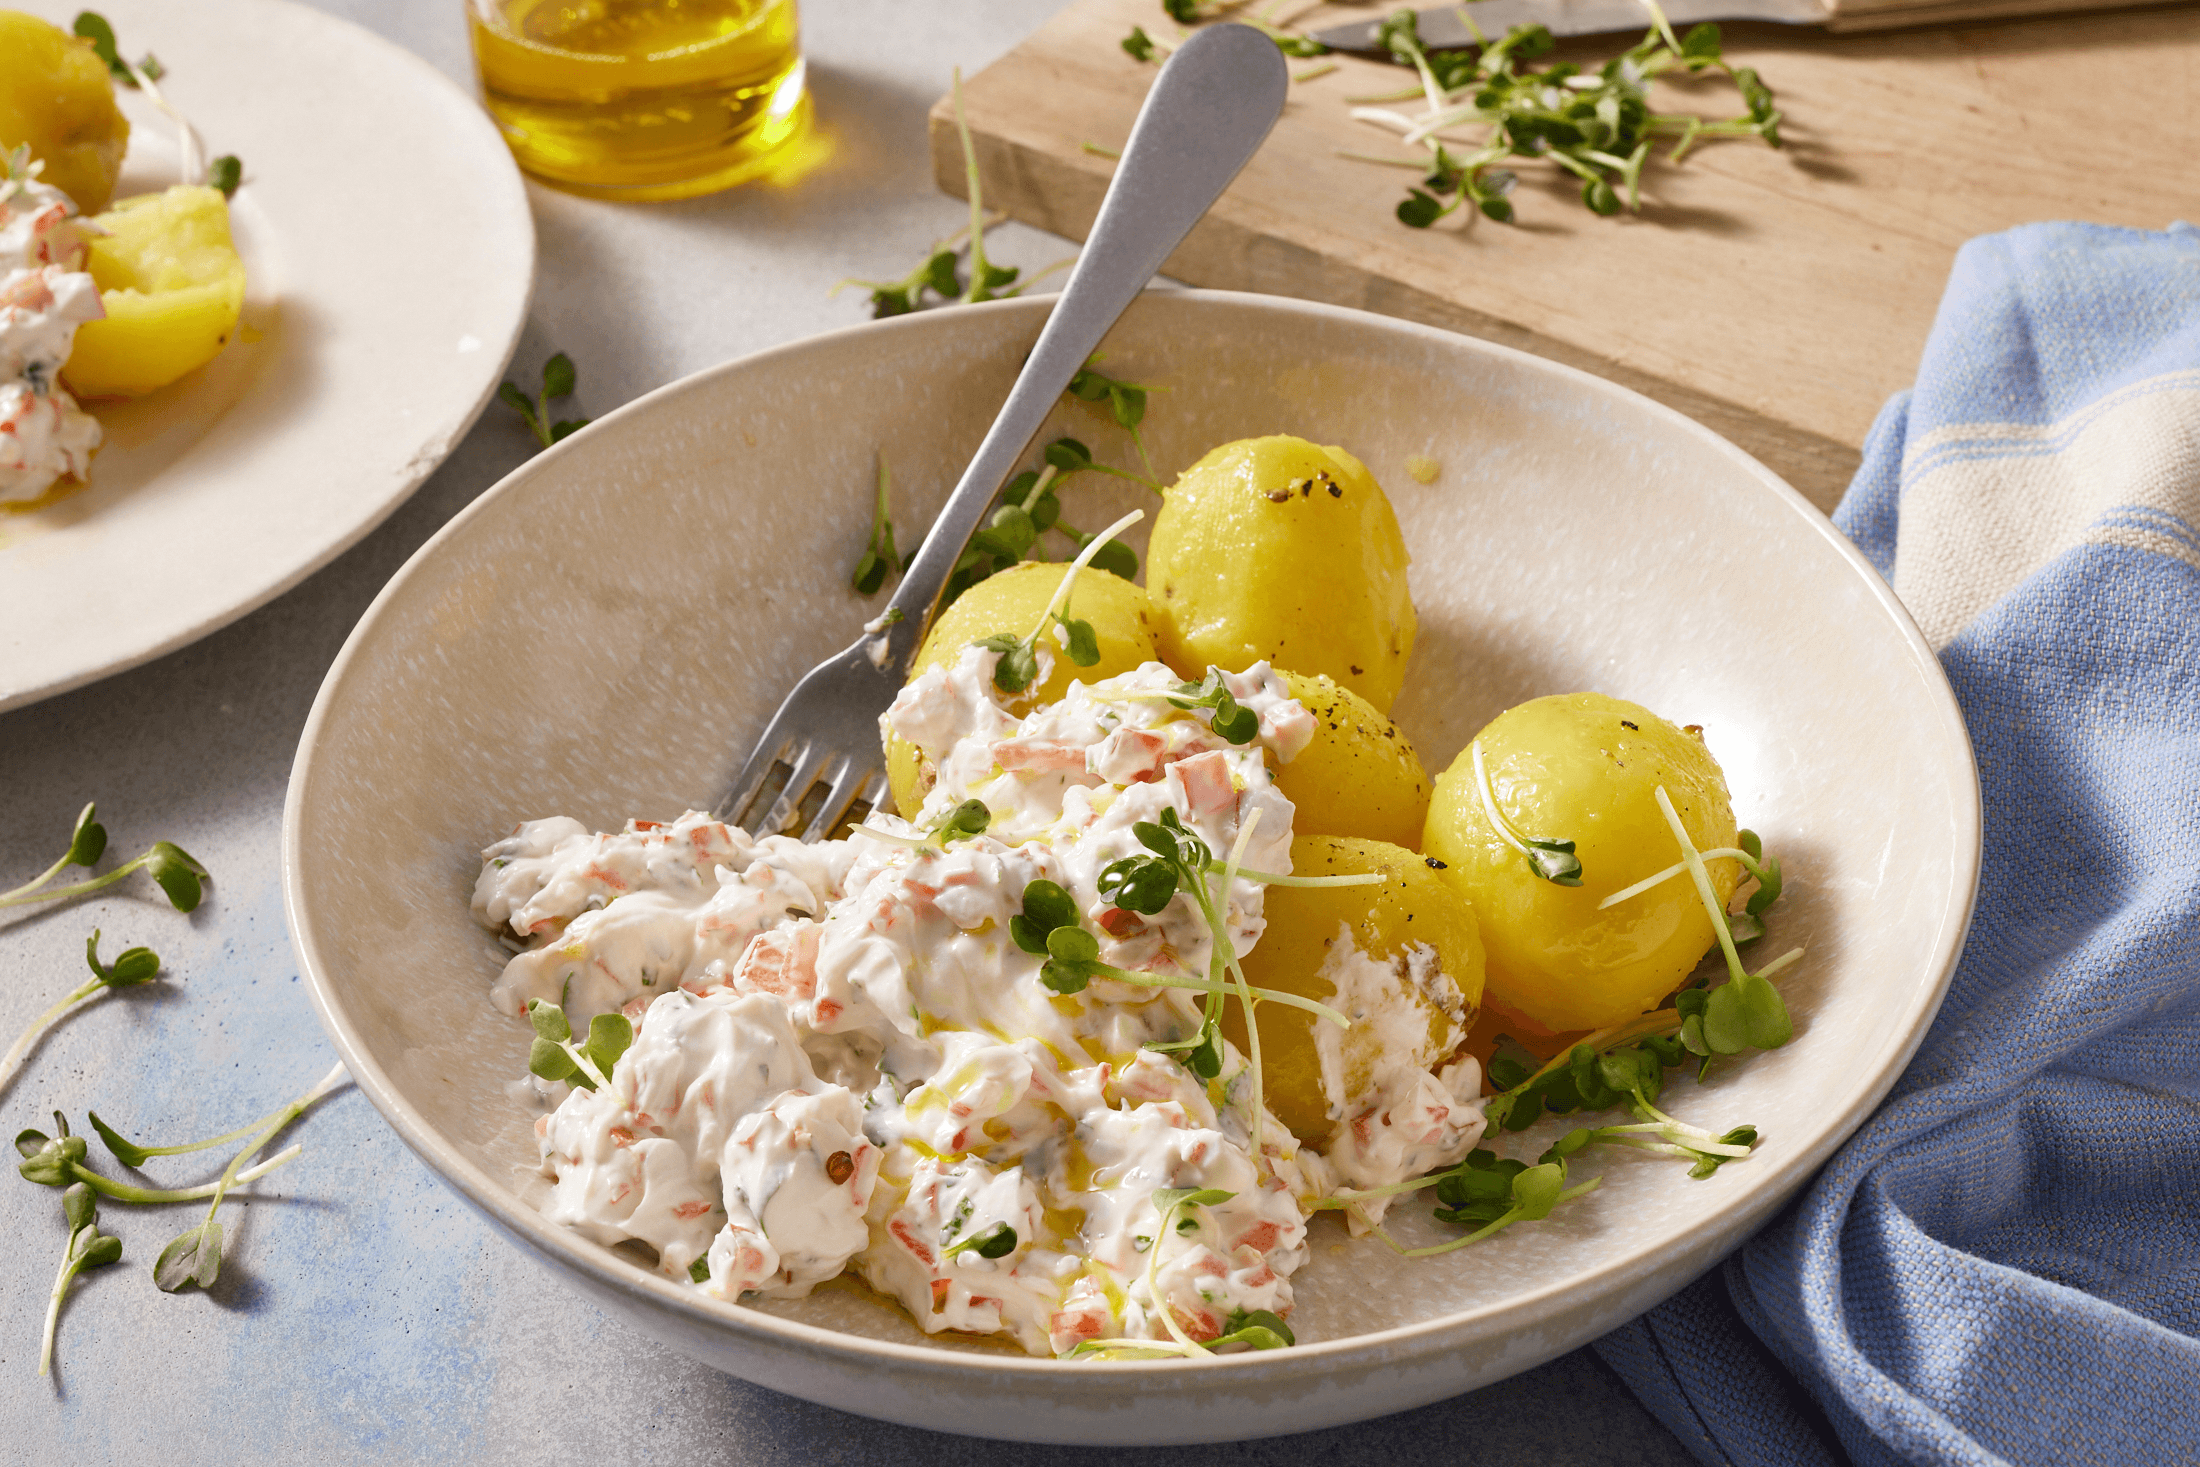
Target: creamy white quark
[44, 296]
[842, 1062]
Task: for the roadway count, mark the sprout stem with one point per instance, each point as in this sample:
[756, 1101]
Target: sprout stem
[14, 1057]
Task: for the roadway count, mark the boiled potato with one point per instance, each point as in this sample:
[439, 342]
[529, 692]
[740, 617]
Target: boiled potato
[1412, 908]
[173, 287]
[1122, 622]
[1583, 767]
[56, 95]
[1359, 776]
[1278, 549]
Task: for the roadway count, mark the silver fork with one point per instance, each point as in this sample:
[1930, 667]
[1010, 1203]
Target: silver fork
[1213, 103]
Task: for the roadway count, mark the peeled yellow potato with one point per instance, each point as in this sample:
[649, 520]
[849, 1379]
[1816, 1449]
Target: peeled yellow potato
[1413, 906]
[1279, 549]
[56, 95]
[1583, 767]
[1122, 623]
[173, 287]
[1359, 776]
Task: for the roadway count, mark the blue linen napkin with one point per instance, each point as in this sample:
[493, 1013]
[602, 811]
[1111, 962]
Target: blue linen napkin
[2003, 1265]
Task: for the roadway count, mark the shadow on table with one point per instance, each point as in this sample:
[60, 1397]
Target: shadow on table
[1573, 1410]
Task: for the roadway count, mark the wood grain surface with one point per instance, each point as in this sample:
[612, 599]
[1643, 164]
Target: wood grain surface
[1777, 296]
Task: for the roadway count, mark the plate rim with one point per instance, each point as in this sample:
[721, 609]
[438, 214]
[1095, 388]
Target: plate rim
[438, 443]
[608, 1271]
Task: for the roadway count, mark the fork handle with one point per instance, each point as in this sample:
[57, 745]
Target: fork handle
[1213, 103]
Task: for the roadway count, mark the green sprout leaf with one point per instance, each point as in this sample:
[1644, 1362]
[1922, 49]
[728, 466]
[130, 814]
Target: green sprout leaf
[134, 966]
[1142, 884]
[177, 874]
[1073, 958]
[225, 173]
[559, 379]
[1237, 724]
[93, 27]
[1260, 1328]
[87, 1248]
[969, 818]
[88, 842]
[1018, 668]
[193, 1257]
[1046, 906]
[1083, 643]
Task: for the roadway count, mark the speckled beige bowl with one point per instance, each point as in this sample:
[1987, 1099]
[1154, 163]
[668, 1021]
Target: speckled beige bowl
[602, 634]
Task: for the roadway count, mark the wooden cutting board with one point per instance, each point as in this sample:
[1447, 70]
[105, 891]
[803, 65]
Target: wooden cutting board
[1777, 296]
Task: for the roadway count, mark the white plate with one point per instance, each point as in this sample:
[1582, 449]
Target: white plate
[390, 254]
[603, 633]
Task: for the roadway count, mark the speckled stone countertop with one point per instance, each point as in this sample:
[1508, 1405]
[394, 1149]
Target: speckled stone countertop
[362, 1314]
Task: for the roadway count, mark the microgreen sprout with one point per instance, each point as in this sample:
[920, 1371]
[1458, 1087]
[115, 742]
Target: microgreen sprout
[554, 1055]
[93, 27]
[133, 966]
[941, 274]
[1049, 926]
[1018, 665]
[1551, 859]
[1126, 404]
[1230, 720]
[172, 869]
[997, 1241]
[558, 380]
[1168, 1204]
[1745, 1012]
[970, 818]
[1595, 125]
[57, 1161]
[195, 1255]
[1747, 925]
[1191, 860]
[879, 558]
[87, 1248]
[225, 173]
[1072, 457]
[1489, 1193]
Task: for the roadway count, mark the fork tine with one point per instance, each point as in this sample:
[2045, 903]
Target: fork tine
[771, 750]
[853, 779]
[808, 764]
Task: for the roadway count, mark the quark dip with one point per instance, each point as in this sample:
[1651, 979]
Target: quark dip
[842, 1062]
[44, 296]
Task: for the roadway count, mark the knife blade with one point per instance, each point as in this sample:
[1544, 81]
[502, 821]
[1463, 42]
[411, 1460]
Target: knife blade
[1445, 29]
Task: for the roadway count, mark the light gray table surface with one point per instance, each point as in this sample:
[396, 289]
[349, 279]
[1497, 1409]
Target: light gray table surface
[363, 1314]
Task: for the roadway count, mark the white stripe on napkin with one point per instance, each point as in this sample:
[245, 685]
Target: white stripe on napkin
[1986, 505]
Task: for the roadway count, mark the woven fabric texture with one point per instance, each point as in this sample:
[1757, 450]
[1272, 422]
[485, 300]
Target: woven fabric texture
[2003, 1265]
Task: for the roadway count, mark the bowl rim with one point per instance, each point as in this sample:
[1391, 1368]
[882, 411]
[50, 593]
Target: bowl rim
[1723, 1229]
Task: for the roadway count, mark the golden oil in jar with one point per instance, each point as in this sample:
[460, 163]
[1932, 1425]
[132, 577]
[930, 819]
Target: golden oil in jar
[642, 99]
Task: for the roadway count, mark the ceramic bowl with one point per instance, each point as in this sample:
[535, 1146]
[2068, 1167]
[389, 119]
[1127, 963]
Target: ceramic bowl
[603, 633]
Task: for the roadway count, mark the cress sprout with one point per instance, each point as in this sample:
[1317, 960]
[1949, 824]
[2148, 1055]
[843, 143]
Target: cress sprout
[179, 877]
[559, 378]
